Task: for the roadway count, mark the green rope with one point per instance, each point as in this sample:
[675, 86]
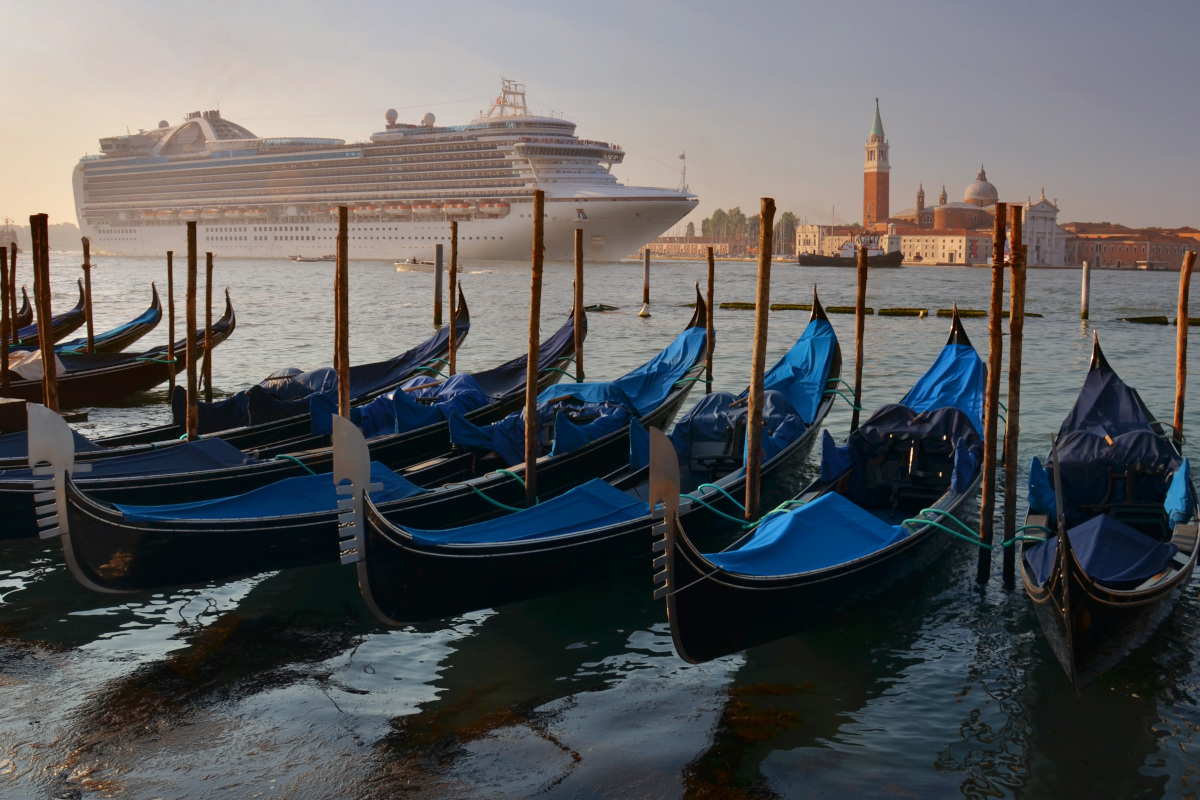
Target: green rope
[564, 372]
[430, 369]
[697, 379]
[184, 436]
[283, 457]
[972, 539]
[843, 383]
[158, 360]
[512, 474]
[740, 521]
[438, 360]
[496, 503]
[722, 490]
[847, 399]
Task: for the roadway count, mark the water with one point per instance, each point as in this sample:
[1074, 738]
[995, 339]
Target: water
[281, 685]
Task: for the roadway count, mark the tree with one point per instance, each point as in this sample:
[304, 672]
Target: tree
[785, 233]
[691, 230]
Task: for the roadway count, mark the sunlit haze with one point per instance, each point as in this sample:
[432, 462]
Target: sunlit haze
[1093, 101]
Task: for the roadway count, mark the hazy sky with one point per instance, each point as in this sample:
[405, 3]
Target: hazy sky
[1096, 101]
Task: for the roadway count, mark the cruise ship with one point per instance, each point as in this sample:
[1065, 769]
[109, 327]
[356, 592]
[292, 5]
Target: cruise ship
[271, 198]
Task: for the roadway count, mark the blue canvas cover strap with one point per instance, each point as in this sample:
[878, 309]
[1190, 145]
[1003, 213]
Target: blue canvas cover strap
[306, 494]
[1109, 551]
[594, 504]
[829, 531]
[955, 380]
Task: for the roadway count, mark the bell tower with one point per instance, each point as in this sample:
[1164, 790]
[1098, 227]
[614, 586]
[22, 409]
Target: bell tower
[876, 171]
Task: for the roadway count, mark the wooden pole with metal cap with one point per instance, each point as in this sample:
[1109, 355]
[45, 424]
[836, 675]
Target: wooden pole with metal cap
[531, 375]
[758, 360]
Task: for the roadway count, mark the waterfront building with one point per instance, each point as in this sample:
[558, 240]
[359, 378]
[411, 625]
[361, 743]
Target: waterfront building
[1106, 245]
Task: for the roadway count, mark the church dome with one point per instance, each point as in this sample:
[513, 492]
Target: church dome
[981, 193]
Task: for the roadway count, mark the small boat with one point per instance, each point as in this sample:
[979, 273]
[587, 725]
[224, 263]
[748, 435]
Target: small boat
[290, 520]
[427, 209]
[61, 325]
[189, 214]
[398, 209]
[848, 257]
[308, 259]
[256, 213]
[235, 214]
[149, 215]
[167, 214]
[601, 528]
[1120, 488]
[457, 207]
[875, 517]
[493, 208]
[25, 312]
[212, 213]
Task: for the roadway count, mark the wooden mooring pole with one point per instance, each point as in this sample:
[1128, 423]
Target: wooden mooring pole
[437, 286]
[991, 401]
[5, 321]
[342, 335]
[208, 345]
[190, 344]
[578, 311]
[711, 338]
[531, 375]
[171, 319]
[1181, 333]
[453, 293]
[87, 293]
[860, 327]
[1012, 424]
[38, 225]
[1085, 299]
[12, 290]
[754, 405]
[646, 277]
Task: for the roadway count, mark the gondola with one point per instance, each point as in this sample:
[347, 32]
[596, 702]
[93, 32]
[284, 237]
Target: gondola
[277, 408]
[1118, 484]
[61, 325]
[25, 313]
[283, 524]
[875, 516]
[179, 472]
[122, 336]
[102, 379]
[601, 528]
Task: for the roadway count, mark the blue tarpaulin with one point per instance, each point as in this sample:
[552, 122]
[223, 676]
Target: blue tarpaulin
[1109, 551]
[16, 445]
[595, 504]
[399, 411]
[956, 379]
[307, 494]
[828, 531]
[206, 454]
[1180, 505]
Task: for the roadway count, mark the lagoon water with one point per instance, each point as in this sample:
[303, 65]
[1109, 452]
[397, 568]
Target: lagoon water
[282, 684]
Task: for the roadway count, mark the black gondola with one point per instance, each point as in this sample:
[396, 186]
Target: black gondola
[870, 521]
[108, 550]
[212, 468]
[277, 409]
[601, 528]
[61, 325]
[25, 312]
[1120, 488]
[102, 379]
[122, 336]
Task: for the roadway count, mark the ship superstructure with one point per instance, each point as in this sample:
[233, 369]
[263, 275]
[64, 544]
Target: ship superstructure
[259, 197]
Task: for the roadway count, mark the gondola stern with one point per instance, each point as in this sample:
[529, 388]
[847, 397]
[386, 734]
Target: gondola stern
[958, 334]
[818, 310]
[700, 315]
[1099, 362]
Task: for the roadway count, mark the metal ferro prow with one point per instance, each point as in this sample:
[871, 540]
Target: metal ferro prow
[664, 507]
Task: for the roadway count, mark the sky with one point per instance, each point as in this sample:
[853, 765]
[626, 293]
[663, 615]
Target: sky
[1095, 102]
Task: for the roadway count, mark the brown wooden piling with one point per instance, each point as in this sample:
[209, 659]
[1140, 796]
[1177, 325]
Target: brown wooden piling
[12, 283]
[531, 375]
[453, 294]
[342, 335]
[87, 293]
[1181, 321]
[1012, 425]
[860, 326]
[711, 337]
[190, 348]
[437, 286]
[762, 308]
[646, 277]
[171, 318]
[987, 507]
[343, 246]
[5, 320]
[1085, 299]
[578, 311]
[208, 272]
[41, 292]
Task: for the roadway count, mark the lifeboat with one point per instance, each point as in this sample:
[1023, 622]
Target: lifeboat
[397, 208]
[189, 214]
[257, 213]
[235, 213]
[364, 211]
[147, 215]
[320, 209]
[212, 213]
[457, 207]
[493, 208]
[427, 208]
[167, 214]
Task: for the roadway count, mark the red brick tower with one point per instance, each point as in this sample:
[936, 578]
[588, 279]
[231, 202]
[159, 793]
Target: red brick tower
[876, 169]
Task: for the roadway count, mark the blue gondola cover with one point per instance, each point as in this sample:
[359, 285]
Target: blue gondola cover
[956, 379]
[1109, 551]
